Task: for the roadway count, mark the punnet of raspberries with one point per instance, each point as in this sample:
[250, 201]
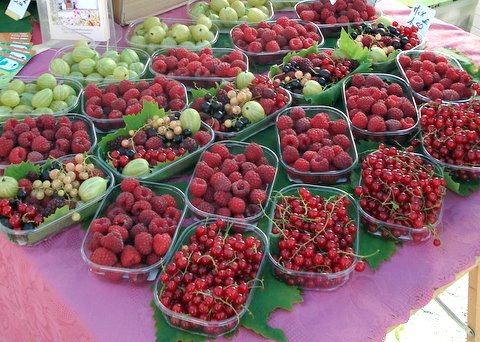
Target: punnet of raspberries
[272, 36]
[451, 134]
[375, 105]
[211, 277]
[223, 63]
[341, 12]
[35, 139]
[135, 231]
[127, 97]
[232, 180]
[315, 146]
[401, 195]
[434, 76]
[309, 243]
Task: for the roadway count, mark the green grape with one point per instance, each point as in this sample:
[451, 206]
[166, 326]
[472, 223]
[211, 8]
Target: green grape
[113, 55]
[71, 90]
[129, 56]
[26, 99]
[87, 66]
[59, 67]
[17, 85]
[58, 106]
[43, 98]
[68, 58]
[82, 52]
[22, 109]
[71, 100]
[31, 88]
[46, 81]
[60, 92]
[120, 73]
[105, 66]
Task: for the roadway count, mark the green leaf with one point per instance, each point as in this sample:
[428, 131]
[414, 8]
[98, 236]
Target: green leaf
[201, 92]
[62, 211]
[275, 295]
[350, 48]
[461, 188]
[376, 248]
[19, 171]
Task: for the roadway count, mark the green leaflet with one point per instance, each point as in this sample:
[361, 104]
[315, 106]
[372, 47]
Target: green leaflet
[19, 171]
[59, 212]
[350, 48]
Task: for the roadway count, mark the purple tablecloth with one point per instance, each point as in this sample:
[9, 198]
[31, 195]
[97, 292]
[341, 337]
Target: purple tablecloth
[48, 294]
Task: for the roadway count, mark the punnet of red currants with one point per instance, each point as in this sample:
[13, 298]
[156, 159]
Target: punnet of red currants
[401, 195]
[206, 286]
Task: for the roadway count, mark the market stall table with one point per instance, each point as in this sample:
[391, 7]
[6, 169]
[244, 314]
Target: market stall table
[47, 292]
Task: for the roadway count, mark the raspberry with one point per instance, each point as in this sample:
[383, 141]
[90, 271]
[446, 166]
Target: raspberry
[113, 242]
[376, 124]
[290, 154]
[212, 159]
[130, 257]
[253, 179]
[373, 81]
[320, 120]
[428, 56]
[302, 125]
[63, 133]
[202, 137]
[434, 94]
[92, 90]
[198, 187]
[289, 140]
[220, 149]
[229, 166]
[327, 153]
[129, 184]
[342, 140]
[450, 95]
[161, 244]
[154, 143]
[158, 225]
[357, 80]
[20, 128]
[427, 78]
[408, 109]
[297, 113]
[441, 68]
[100, 225]
[296, 44]
[144, 243]
[124, 86]
[253, 152]
[393, 101]
[284, 122]
[17, 155]
[6, 146]
[236, 205]
[94, 111]
[102, 256]
[339, 126]
[10, 124]
[364, 103]
[121, 230]
[145, 217]
[241, 188]
[416, 82]
[222, 198]
[203, 171]
[272, 46]
[95, 241]
[107, 99]
[393, 125]
[395, 113]
[220, 182]
[40, 144]
[139, 206]
[258, 196]
[301, 165]
[223, 212]
[235, 176]
[125, 201]
[114, 210]
[142, 193]
[80, 145]
[319, 164]
[266, 173]
[119, 104]
[133, 109]
[25, 184]
[342, 161]
[152, 259]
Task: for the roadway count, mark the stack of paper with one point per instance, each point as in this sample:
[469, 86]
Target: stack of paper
[15, 52]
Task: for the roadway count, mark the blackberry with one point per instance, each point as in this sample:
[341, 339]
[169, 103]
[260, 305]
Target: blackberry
[32, 176]
[305, 64]
[53, 205]
[116, 143]
[222, 96]
[189, 144]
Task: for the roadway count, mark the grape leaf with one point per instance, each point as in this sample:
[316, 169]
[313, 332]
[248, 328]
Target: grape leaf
[59, 212]
[19, 171]
[376, 248]
[461, 188]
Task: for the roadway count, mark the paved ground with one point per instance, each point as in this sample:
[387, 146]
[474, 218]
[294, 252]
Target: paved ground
[432, 324]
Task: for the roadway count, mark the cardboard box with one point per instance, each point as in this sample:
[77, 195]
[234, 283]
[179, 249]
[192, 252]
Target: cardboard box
[126, 11]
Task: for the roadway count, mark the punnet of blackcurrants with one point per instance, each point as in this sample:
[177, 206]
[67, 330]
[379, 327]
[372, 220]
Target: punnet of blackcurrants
[401, 195]
[207, 284]
[314, 239]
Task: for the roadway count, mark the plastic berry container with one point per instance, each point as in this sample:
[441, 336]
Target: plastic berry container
[203, 327]
[400, 136]
[417, 53]
[312, 280]
[106, 125]
[151, 48]
[235, 147]
[396, 231]
[281, 6]
[324, 178]
[223, 25]
[333, 30]
[144, 273]
[101, 49]
[170, 170]
[255, 128]
[50, 229]
[471, 172]
[270, 58]
[194, 81]
[73, 117]
[72, 107]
